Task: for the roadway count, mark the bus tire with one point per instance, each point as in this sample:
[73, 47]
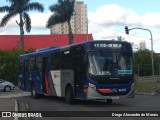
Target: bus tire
[33, 92]
[69, 95]
[109, 101]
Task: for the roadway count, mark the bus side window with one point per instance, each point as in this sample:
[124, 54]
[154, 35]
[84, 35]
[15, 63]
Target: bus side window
[38, 65]
[21, 65]
[66, 60]
[55, 61]
[26, 67]
[32, 64]
[79, 55]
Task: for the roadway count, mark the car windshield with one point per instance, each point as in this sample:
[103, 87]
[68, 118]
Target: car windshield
[110, 63]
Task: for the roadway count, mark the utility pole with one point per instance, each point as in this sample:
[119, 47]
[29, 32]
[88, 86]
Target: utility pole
[87, 29]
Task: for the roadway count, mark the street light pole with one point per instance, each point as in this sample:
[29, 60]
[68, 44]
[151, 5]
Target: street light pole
[151, 44]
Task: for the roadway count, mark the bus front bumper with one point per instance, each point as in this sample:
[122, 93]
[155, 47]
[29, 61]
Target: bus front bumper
[94, 95]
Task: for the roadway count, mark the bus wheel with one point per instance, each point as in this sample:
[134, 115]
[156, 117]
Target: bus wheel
[69, 95]
[33, 92]
[109, 101]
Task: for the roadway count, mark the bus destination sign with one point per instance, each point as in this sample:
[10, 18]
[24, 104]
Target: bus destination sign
[108, 45]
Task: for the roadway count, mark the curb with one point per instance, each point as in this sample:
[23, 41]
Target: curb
[21, 106]
[149, 94]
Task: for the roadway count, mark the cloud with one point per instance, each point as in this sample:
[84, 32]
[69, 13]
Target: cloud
[11, 22]
[38, 21]
[132, 18]
[108, 15]
[100, 32]
[113, 18]
[151, 20]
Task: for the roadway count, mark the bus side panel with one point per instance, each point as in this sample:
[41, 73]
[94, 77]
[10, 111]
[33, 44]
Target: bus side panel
[21, 80]
[48, 84]
[56, 76]
[27, 81]
[52, 90]
[67, 78]
[36, 79]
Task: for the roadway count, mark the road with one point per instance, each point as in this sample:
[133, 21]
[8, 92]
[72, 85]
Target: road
[139, 103]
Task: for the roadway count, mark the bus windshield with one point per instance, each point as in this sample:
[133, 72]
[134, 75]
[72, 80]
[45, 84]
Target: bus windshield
[110, 63]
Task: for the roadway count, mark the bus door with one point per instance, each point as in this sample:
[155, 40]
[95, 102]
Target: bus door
[79, 69]
[45, 77]
[25, 72]
[22, 74]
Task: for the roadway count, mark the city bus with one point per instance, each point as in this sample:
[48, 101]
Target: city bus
[92, 70]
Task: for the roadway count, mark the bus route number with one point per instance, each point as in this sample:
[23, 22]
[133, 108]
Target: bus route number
[104, 45]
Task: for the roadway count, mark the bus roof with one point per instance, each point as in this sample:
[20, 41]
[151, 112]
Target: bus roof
[49, 49]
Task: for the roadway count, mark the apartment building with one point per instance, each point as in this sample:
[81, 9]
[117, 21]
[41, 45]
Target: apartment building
[142, 45]
[79, 21]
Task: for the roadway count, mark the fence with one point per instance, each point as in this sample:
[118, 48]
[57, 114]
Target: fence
[146, 70]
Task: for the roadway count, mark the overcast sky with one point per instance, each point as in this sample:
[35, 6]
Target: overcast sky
[107, 19]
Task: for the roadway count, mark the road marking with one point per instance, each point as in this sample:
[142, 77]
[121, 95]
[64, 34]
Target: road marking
[16, 109]
[11, 95]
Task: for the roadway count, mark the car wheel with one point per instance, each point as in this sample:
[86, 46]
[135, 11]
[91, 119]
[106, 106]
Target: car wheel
[7, 88]
[69, 95]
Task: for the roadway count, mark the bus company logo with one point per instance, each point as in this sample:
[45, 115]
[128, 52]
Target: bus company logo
[56, 76]
[122, 90]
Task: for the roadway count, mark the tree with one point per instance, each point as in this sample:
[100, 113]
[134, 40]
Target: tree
[20, 7]
[143, 60]
[62, 12]
[120, 38]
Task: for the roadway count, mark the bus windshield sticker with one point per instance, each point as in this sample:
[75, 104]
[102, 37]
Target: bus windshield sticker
[124, 71]
[104, 73]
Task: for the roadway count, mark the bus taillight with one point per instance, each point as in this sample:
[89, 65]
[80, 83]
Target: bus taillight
[85, 89]
[105, 90]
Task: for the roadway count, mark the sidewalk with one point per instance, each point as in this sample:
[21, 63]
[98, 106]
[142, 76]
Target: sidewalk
[7, 104]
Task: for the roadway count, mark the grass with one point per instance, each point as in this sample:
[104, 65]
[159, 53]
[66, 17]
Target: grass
[148, 87]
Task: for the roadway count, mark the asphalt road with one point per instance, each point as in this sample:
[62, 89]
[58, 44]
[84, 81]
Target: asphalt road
[139, 103]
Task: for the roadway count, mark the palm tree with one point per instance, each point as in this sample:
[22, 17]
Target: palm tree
[62, 12]
[120, 38]
[20, 7]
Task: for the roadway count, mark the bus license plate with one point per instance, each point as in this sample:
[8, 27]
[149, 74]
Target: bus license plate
[115, 97]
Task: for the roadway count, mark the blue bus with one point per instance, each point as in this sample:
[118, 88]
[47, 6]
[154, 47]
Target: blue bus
[92, 70]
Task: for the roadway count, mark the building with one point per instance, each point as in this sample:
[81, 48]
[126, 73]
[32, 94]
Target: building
[142, 45]
[11, 42]
[79, 21]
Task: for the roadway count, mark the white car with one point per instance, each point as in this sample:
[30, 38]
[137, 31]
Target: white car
[6, 86]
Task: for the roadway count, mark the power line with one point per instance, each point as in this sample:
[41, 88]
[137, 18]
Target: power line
[117, 30]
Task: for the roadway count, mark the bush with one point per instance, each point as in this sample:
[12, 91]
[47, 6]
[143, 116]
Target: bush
[9, 65]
